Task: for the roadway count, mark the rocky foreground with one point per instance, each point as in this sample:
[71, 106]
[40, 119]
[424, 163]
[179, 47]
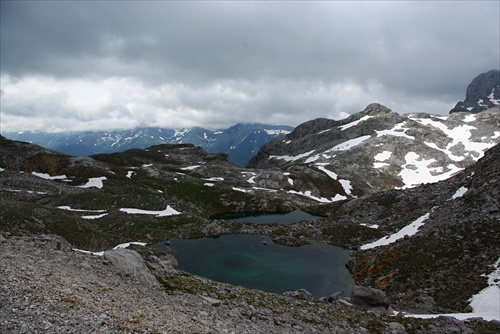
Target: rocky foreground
[46, 287]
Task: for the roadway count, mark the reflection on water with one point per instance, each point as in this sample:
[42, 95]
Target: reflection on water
[274, 218]
[255, 262]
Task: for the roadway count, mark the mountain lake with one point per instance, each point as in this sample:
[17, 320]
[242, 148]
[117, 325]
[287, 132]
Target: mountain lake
[269, 218]
[255, 262]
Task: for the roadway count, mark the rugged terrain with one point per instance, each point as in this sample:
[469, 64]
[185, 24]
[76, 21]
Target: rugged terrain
[377, 149]
[47, 288]
[93, 202]
[240, 141]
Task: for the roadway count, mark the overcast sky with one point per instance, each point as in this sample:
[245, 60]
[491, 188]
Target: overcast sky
[68, 66]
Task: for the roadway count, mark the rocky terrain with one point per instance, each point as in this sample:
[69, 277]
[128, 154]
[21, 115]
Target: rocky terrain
[377, 149]
[434, 267]
[482, 93]
[48, 288]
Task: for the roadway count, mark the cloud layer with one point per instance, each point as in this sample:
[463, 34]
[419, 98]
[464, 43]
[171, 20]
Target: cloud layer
[112, 65]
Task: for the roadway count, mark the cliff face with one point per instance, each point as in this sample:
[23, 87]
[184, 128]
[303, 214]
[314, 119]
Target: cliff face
[482, 93]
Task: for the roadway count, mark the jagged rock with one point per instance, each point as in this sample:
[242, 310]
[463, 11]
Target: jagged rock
[130, 263]
[299, 294]
[367, 298]
[482, 93]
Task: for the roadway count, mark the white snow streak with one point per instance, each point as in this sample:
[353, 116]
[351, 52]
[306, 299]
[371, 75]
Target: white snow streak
[349, 125]
[290, 158]
[48, 177]
[167, 212]
[459, 193]
[190, 167]
[408, 230]
[349, 144]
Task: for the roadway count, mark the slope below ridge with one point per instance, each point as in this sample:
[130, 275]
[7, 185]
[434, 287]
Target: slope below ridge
[377, 149]
[437, 256]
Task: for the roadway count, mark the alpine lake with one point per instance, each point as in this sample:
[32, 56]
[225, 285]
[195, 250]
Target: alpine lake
[256, 262]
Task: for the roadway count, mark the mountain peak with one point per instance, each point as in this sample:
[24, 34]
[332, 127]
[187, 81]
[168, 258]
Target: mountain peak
[375, 109]
[482, 93]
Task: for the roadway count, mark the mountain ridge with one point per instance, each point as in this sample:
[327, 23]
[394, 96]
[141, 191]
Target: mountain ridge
[377, 149]
[241, 141]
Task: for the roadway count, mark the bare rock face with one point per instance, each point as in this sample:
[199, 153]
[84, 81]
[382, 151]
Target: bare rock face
[482, 93]
[131, 264]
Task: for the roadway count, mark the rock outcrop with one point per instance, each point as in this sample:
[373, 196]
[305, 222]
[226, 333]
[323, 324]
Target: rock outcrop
[482, 93]
[131, 264]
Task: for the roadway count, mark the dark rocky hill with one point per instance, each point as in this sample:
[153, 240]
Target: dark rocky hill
[482, 93]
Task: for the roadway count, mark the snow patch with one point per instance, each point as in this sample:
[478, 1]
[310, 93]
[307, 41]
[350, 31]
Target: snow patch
[459, 193]
[241, 190]
[64, 207]
[94, 182]
[383, 156]
[408, 230]
[124, 245]
[349, 125]
[214, 179]
[290, 158]
[308, 194]
[191, 167]
[95, 216]
[417, 171]
[276, 132]
[48, 177]
[167, 212]
[396, 131]
[349, 144]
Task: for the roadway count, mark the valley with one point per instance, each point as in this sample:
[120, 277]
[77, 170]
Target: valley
[414, 202]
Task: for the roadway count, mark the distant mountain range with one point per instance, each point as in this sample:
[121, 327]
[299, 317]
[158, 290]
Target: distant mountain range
[240, 141]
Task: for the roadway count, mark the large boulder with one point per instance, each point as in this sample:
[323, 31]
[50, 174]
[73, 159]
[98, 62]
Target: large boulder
[130, 263]
[366, 298]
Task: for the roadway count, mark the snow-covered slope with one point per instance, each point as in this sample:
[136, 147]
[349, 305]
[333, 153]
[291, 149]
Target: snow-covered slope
[377, 149]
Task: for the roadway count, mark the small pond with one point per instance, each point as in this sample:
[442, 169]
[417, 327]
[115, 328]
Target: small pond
[255, 262]
[273, 218]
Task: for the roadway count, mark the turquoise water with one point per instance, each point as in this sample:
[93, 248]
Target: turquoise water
[274, 218]
[243, 259]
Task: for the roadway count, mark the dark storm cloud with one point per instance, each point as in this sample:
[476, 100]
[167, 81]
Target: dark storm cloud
[237, 60]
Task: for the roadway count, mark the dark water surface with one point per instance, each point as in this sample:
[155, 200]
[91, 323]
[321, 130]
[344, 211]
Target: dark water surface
[273, 218]
[242, 259]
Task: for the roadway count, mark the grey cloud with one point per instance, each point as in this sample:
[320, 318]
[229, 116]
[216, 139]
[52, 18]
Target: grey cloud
[294, 59]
